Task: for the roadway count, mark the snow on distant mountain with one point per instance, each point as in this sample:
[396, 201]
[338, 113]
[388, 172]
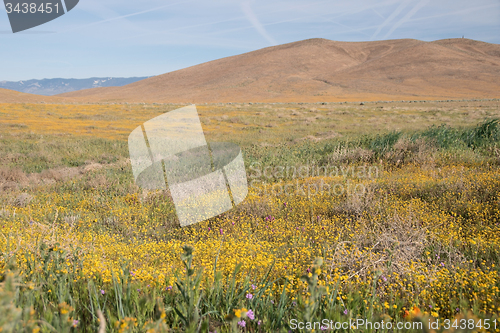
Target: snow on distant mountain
[50, 87]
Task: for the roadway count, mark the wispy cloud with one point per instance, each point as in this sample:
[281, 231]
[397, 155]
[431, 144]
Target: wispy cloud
[129, 15]
[405, 18]
[376, 12]
[302, 14]
[467, 11]
[391, 17]
[250, 15]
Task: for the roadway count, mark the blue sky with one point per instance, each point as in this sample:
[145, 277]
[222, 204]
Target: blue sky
[125, 38]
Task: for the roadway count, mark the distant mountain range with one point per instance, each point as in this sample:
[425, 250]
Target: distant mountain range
[49, 87]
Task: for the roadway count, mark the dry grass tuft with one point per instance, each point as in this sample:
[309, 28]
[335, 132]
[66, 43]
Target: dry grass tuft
[4, 213]
[23, 200]
[350, 155]
[385, 247]
[71, 220]
[407, 151]
[12, 175]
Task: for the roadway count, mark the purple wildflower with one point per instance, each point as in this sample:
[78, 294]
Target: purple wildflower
[242, 323]
[249, 296]
[250, 315]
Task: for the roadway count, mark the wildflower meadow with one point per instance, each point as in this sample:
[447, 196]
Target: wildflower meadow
[398, 222]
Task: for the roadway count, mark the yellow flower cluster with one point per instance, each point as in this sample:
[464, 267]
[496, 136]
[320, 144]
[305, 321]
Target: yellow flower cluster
[434, 249]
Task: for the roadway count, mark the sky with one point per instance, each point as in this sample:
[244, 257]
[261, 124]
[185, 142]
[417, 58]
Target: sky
[124, 38]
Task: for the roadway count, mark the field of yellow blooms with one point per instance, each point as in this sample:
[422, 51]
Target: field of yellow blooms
[83, 249]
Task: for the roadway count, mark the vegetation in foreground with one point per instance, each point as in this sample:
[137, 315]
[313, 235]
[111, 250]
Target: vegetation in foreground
[415, 239]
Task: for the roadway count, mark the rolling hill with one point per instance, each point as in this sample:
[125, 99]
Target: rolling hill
[325, 70]
[317, 70]
[11, 96]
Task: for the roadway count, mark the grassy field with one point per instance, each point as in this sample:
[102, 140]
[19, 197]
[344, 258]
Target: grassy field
[383, 212]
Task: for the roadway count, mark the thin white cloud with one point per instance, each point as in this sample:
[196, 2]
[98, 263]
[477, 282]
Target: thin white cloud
[391, 17]
[376, 12]
[129, 15]
[250, 15]
[296, 15]
[467, 11]
[405, 18]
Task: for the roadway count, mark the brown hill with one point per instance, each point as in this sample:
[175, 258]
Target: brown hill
[11, 96]
[325, 70]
